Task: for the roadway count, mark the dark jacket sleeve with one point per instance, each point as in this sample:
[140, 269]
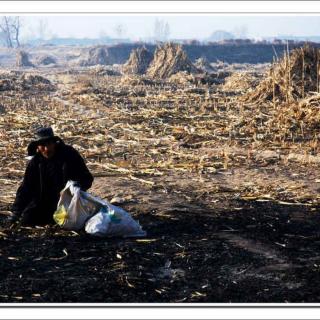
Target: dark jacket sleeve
[27, 189]
[78, 170]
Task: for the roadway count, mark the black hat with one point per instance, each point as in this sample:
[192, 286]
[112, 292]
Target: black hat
[41, 135]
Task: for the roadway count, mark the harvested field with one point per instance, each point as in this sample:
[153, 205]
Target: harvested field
[227, 190]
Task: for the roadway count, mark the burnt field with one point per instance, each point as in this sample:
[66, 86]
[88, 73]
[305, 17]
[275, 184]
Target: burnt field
[262, 253]
[221, 171]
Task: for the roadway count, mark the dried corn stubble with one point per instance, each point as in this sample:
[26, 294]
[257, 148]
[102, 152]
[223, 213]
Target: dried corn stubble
[170, 129]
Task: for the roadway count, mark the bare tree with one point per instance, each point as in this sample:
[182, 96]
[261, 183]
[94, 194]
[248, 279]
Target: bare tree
[161, 30]
[16, 24]
[120, 30]
[10, 31]
[6, 32]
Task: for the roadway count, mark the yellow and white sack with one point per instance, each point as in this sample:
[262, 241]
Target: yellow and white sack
[75, 207]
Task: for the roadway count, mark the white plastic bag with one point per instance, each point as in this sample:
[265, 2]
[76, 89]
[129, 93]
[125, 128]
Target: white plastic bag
[112, 221]
[75, 207]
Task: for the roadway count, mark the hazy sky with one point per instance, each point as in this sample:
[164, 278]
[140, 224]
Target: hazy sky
[192, 26]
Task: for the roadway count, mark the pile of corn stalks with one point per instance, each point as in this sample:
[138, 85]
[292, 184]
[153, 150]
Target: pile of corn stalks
[292, 78]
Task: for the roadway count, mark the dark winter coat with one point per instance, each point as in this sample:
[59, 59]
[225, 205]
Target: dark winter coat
[39, 192]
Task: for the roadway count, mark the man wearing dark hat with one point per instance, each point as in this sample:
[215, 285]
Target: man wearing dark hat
[52, 164]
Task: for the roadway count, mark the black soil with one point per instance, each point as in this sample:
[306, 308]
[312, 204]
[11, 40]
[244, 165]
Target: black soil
[257, 252]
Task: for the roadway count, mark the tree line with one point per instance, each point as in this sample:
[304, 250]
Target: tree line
[10, 27]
